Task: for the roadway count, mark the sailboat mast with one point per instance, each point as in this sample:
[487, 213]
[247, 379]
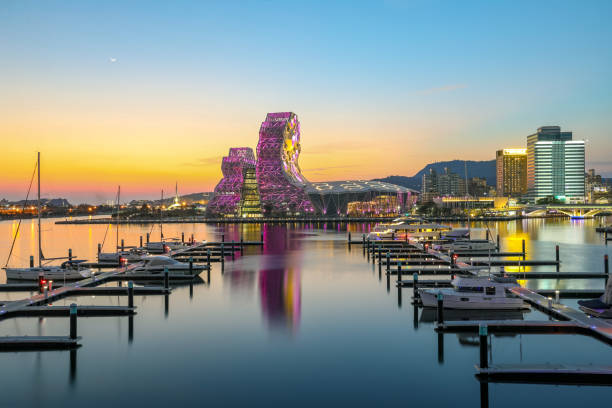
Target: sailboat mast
[38, 212]
[161, 215]
[117, 218]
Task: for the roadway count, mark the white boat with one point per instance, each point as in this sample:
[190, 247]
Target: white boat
[69, 270]
[162, 247]
[475, 292]
[475, 245]
[130, 256]
[159, 263]
[413, 229]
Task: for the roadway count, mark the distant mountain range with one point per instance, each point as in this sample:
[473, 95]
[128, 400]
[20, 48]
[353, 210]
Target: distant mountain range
[482, 169]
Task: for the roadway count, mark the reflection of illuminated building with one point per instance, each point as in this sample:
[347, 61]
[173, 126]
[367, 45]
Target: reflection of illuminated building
[236, 194]
[281, 184]
[279, 281]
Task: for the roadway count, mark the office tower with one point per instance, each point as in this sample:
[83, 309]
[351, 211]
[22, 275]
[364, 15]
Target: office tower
[511, 172]
[555, 165]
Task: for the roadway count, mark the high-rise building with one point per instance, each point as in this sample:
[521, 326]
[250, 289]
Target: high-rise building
[511, 172]
[555, 165]
[445, 184]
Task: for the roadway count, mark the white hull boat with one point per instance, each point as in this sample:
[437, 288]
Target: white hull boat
[48, 272]
[158, 264]
[475, 293]
[133, 255]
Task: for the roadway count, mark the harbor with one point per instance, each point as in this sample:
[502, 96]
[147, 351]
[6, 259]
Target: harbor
[305, 275]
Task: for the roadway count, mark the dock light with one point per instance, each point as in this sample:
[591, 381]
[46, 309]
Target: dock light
[122, 261]
[455, 256]
[42, 283]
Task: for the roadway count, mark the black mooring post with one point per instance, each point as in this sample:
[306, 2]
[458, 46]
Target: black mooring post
[388, 262]
[182, 237]
[498, 247]
[70, 254]
[368, 249]
[191, 265]
[482, 334]
[363, 245]
[140, 246]
[130, 294]
[122, 244]
[557, 257]
[440, 308]
[73, 321]
[241, 246]
[32, 260]
[399, 271]
[208, 258]
[166, 278]
[523, 246]
[415, 282]
[606, 268]
[349, 239]
[148, 236]
[399, 296]
[222, 237]
[233, 251]
[379, 259]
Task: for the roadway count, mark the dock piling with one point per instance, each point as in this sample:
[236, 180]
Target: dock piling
[140, 246]
[130, 289]
[191, 265]
[399, 271]
[222, 237]
[32, 261]
[388, 263]
[241, 246]
[208, 259]
[70, 254]
[222, 256]
[363, 243]
[482, 335]
[73, 321]
[440, 308]
[606, 268]
[100, 248]
[557, 257]
[166, 278]
[498, 241]
[523, 248]
[148, 238]
[122, 245]
[183, 237]
[233, 251]
[415, 282]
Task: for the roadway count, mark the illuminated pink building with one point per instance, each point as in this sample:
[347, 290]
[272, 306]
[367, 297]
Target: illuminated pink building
[236, 194]
[282, 187]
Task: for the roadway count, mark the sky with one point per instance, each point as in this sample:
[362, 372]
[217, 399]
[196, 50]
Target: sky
[145, 94]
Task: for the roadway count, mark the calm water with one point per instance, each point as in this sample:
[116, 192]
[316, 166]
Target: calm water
[303, 322]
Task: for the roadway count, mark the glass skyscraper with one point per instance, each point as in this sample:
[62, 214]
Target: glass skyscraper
[555, 165]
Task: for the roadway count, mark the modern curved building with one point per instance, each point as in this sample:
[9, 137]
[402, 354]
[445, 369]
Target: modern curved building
[360, 197]
[273, 185]
[282, 187]
[236, 194]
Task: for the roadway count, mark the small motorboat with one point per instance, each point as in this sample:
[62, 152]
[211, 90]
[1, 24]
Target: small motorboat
[130, 256]
[600, 307]
[159, 263]
[475, 292]
[69, 270]
[163, 247]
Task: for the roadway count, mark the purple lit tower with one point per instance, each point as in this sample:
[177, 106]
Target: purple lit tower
[281, 184]
[228, 195]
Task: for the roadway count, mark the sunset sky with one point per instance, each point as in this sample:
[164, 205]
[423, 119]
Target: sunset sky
[144, 93]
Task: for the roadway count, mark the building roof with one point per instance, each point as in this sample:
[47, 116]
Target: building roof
[356, 186]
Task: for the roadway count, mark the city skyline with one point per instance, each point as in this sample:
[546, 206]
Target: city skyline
[144, 96]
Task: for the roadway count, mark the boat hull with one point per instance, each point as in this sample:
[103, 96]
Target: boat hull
[429, 298]
[32, 274]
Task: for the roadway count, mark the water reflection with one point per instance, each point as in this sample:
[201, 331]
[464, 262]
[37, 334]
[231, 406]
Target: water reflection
[280, 280]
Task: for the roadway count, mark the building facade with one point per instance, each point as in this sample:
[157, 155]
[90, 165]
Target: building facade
[281, 183]
[555, 165]
[511, 172]
[445, 184]
[236, 194]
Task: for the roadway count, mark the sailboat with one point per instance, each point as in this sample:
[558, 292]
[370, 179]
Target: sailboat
[69, 270]
[120, 256]
[163, 246]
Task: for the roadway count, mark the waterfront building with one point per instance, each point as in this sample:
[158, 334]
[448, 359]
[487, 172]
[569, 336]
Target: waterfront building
[236, 195]
[511, 166]
[445, 184]
[281, 183]
[597, 191]
[555, 165]
[360, 198]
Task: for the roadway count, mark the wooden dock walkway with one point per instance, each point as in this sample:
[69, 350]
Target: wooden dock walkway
[547, 374]
[36, 343]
